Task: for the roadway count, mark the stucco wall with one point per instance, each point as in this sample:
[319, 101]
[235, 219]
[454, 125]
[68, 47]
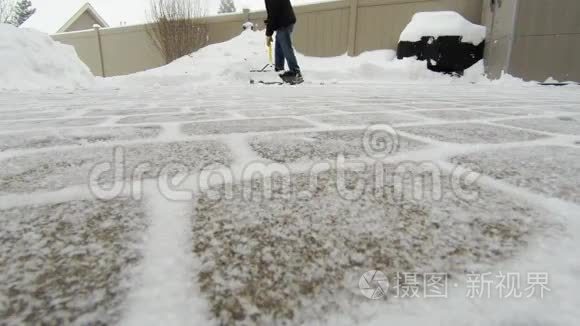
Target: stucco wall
[128, 50]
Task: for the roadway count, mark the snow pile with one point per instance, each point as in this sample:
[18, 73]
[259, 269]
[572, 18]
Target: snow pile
[32, 60]
[372, 66]
[225, 61]
[231, 62]
[442, 23]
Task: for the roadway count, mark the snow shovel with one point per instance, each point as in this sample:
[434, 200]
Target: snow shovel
[265, 68]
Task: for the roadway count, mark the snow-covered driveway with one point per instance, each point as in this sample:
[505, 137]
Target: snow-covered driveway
[322, 184]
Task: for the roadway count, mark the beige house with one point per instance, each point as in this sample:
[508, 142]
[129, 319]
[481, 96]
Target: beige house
[85, 18]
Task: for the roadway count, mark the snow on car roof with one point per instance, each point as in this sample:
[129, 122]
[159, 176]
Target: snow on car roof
[442, 23]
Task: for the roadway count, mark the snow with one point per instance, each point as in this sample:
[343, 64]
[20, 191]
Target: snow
[466, 132]
[198, 250]
[230, 62]
[97, 236]
[558, 125]
[295, 257]
[159, 300]
[71, 166]
[442, 23]
[558, 178]
[32, 60]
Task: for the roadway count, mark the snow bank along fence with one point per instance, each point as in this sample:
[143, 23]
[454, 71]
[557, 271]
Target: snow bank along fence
[324, 29]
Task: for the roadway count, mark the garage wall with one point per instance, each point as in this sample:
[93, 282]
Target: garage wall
[547, 42]
[533, 39]
[500, 21]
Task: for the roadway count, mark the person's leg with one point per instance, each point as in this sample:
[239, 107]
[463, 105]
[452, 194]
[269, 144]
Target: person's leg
[279, 54]
[287, 48]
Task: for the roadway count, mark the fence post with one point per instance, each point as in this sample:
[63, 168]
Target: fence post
[247, 13]
[352, 28]
[97, 28]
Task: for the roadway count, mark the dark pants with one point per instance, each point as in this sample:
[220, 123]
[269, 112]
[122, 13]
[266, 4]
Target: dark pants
[284, 49]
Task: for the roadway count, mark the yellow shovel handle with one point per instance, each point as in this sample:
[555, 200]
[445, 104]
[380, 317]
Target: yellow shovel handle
[270, 52]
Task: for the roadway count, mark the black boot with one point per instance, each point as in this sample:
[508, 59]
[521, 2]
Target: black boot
[292, 77]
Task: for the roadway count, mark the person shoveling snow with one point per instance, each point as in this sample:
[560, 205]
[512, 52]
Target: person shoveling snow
[281, 19]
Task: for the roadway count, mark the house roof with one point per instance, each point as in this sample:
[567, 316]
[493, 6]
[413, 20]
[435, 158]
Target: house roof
[88, 9]
[51, 16]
